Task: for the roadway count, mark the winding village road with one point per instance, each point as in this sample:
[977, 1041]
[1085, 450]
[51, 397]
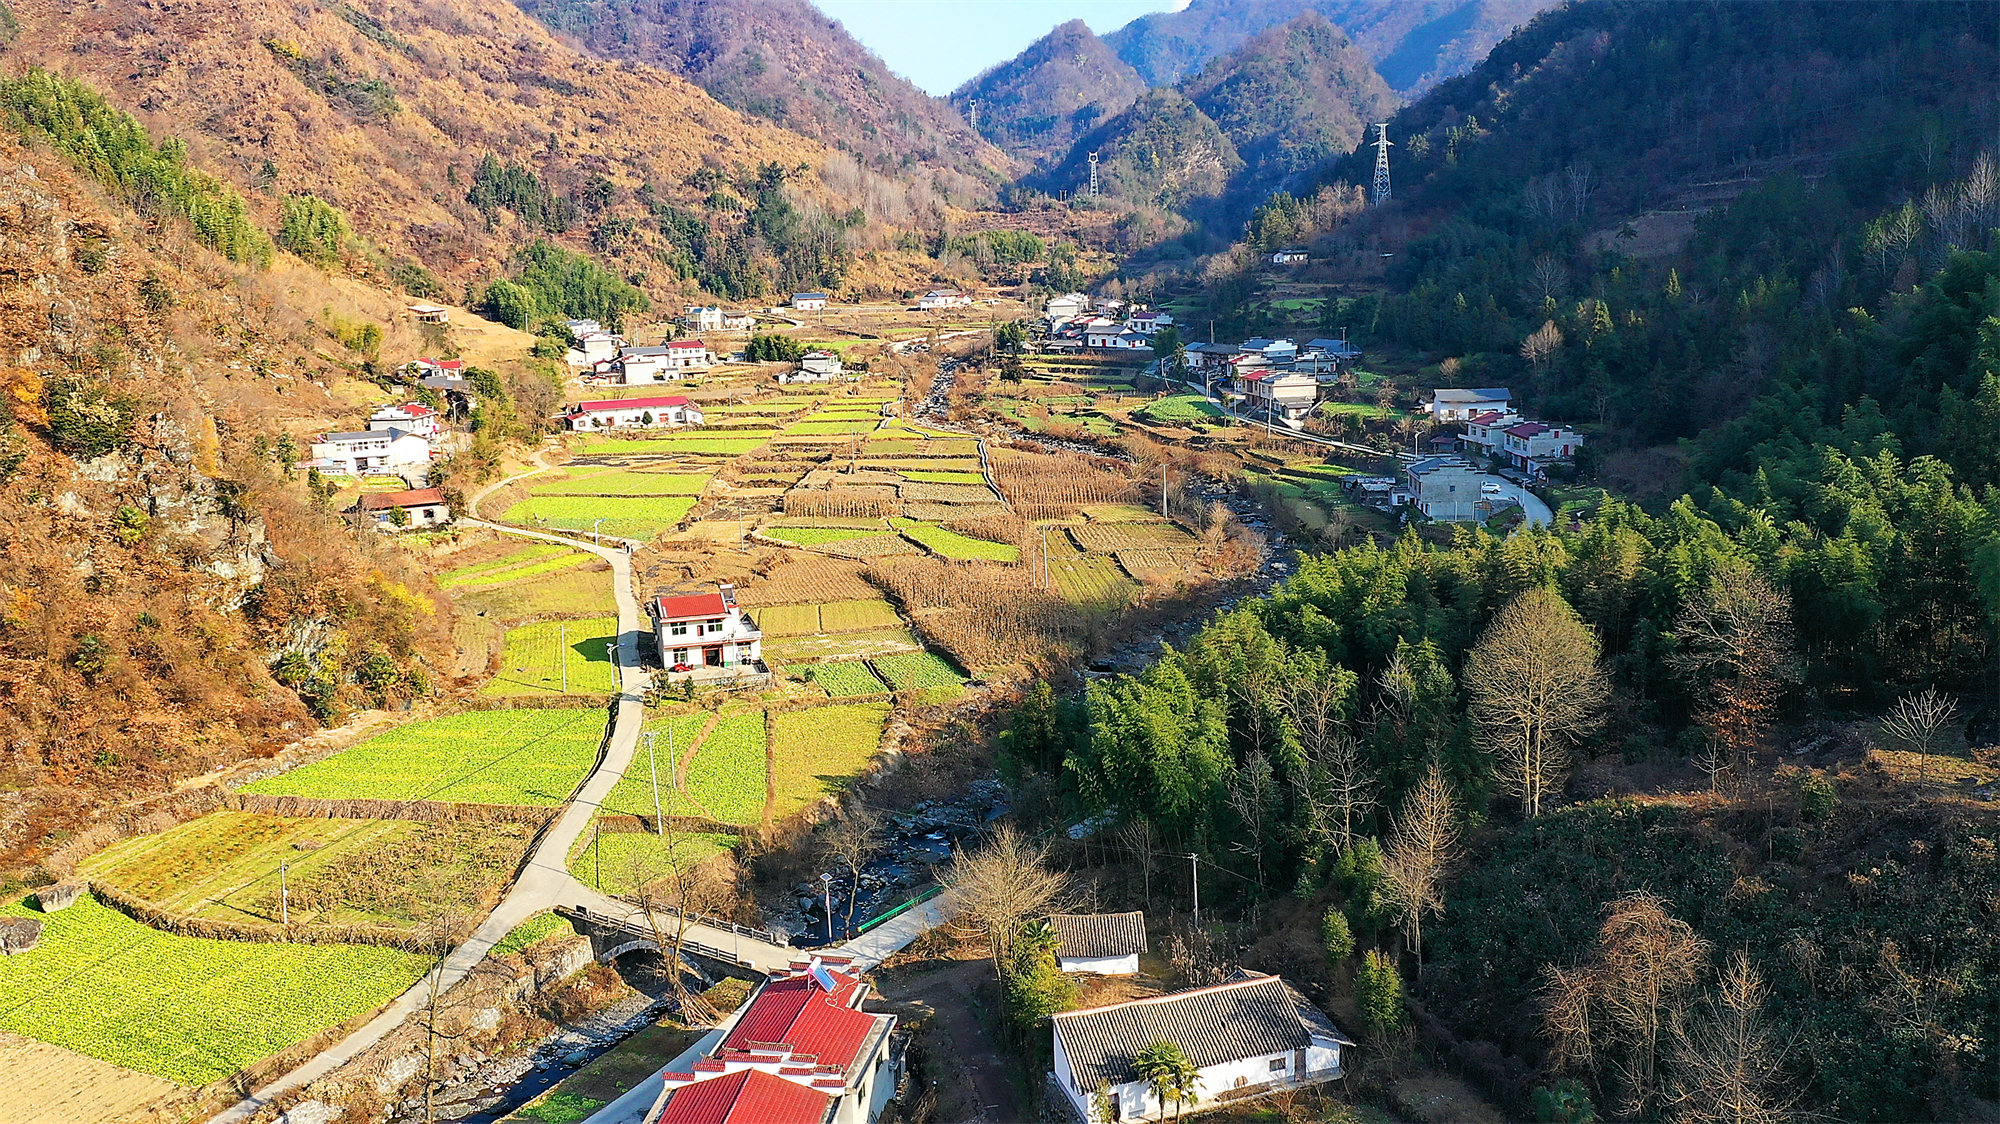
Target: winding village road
[544, 882]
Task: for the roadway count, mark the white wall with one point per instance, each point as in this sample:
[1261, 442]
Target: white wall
[1102, 965]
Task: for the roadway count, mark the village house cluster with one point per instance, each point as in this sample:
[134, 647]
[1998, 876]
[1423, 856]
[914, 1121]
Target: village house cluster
[400, 440]
[1494, 430]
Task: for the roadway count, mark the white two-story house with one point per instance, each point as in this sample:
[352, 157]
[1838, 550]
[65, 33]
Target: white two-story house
[1533, 445]
[642, 413]
[697, 630]
[410, 417]
[1246, 1037]
[377, 452]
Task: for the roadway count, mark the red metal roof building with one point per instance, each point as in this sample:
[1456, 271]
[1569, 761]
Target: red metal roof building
[803, 1028]
[748, 1096]
[697, 631]
[613, 413]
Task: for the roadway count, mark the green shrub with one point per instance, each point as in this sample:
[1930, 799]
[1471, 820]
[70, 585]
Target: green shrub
[85, 419]
[311, 228]
[1336, 936]
[774, 349]
[1817, 797]
[1378, 995]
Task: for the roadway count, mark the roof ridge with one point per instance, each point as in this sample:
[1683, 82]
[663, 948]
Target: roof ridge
[1183, 994]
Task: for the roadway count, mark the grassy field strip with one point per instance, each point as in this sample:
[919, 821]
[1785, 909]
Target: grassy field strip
[817, 752]
[215, 866]
[533, 658]
[623, 516]
[675, 739]
[815, 536]
[186, 1009]
[1092, 579]
[629, 482]
[571, 592]
[916, 671]
[612, 861]
[517, 573]
[921, 476]
[728, 775]
[513, 558]
[788, 620]
[844, 678]
[859, 615]
[526, 757]
[654, 446]
[951, 544]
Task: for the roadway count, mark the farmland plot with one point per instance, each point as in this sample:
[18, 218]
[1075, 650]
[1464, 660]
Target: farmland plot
[616, 861]
[186, 1009]
[630, 482]
[626, 517]
[931, 476]
[817, 752]
[1105, 537]
[674, 738]
[951, 544]
[526, 757]
[464, 574]
[535, 657]
[567, 560]
[727, 776]
[398, 873]
[857, 615]
[1092, 579]
[917, 671]
[788, 620]
[845, 645]
[819, 536]
[844, 678]
[809, 581]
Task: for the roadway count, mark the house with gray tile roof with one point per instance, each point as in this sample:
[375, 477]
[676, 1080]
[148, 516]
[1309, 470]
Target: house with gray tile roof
[1108, 944]
[1248, 1037]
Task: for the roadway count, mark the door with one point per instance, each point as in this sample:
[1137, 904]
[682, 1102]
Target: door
[712, 656]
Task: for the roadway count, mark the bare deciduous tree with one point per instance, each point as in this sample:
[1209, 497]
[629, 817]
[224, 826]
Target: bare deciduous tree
[852, 840]
[1547, 278]
[1420, 856]
[1542, 345]
[1616, 1012]
[1536, 687]
[1137, 837]
[1253, 797]
[1003, 885]
[670, 886]
[1727, 1068]
[1335, 787]
[1922, 724]
[1736, 651]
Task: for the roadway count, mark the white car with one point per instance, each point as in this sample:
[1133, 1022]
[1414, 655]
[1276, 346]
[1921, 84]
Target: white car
[1492, 488]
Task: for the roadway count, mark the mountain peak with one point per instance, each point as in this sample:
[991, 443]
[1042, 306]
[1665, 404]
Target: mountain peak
[1060, 87]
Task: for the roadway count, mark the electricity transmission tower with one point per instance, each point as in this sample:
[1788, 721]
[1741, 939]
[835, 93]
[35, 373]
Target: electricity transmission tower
[1093, 174]
[1381, 194]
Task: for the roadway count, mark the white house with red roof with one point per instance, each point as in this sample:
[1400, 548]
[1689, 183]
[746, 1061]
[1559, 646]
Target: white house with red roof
[943, 298]
[1454, 404]
[410, 417]
[1533, 445]
[705, 630]
[1488, 429]
[661, 362]
[801, 1052]
[625, 413]
[1147, 321]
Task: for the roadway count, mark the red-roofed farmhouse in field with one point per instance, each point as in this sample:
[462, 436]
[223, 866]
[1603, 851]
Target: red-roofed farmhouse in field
[802, 1052]
[623, 413]
[705, 630]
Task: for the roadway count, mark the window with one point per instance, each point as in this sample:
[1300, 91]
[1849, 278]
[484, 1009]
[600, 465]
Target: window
[680, 655]
[1278, 1065]
[679, 628]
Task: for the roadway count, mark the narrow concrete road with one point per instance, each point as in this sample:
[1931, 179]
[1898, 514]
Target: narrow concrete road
[1533, 510]
[544, 882]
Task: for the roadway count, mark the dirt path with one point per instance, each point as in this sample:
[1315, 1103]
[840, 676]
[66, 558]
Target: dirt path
[957, 1001]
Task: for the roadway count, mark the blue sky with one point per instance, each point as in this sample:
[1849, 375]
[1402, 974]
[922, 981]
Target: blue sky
[938, 44]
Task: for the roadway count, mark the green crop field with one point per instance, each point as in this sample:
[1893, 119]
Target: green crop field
[841, 646]
[225, 866]
[487, 578]
[858, 615]
[532, 757]
[536, 656]
[528, 554]
[951, 544]
[830, 427]
[917, 671]
[656, 446]
[845, 678]
[1092, 579]
[727, 776]
[788, 620]
[189, 1010]
[538, 928]
[818, 751]
[1180, 409]
[627, 483]
[615, 861]
[1356, 409]
[571, 591]
[921, 476]
[628, 517]
[673, 736]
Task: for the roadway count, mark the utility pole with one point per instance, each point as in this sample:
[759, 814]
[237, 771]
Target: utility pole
[652, 766]
[826, 882]
[1194, 880]
[562, 652]
[1163, 489]
[1381, 193]
[284, 897]
[597, 854]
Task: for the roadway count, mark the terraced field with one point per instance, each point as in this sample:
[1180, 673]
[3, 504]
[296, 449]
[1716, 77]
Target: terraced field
[845, 678]
[617, 861]
[529, 757]
[625, 482]
[541, 658]
[817, 752]
[1092, 579]
[951, 544]
[917, 671]
[727, 775]
[626, 517]
[189, 1010]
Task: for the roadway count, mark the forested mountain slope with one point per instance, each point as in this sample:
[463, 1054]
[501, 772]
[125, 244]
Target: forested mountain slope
[156, 552]
[389, 118]
[785, 62]
[1037, 103]
[1162, 152]
[1413, 43]
[1290, 99]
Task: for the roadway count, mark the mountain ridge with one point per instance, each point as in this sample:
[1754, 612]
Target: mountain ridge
[1037, 103]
